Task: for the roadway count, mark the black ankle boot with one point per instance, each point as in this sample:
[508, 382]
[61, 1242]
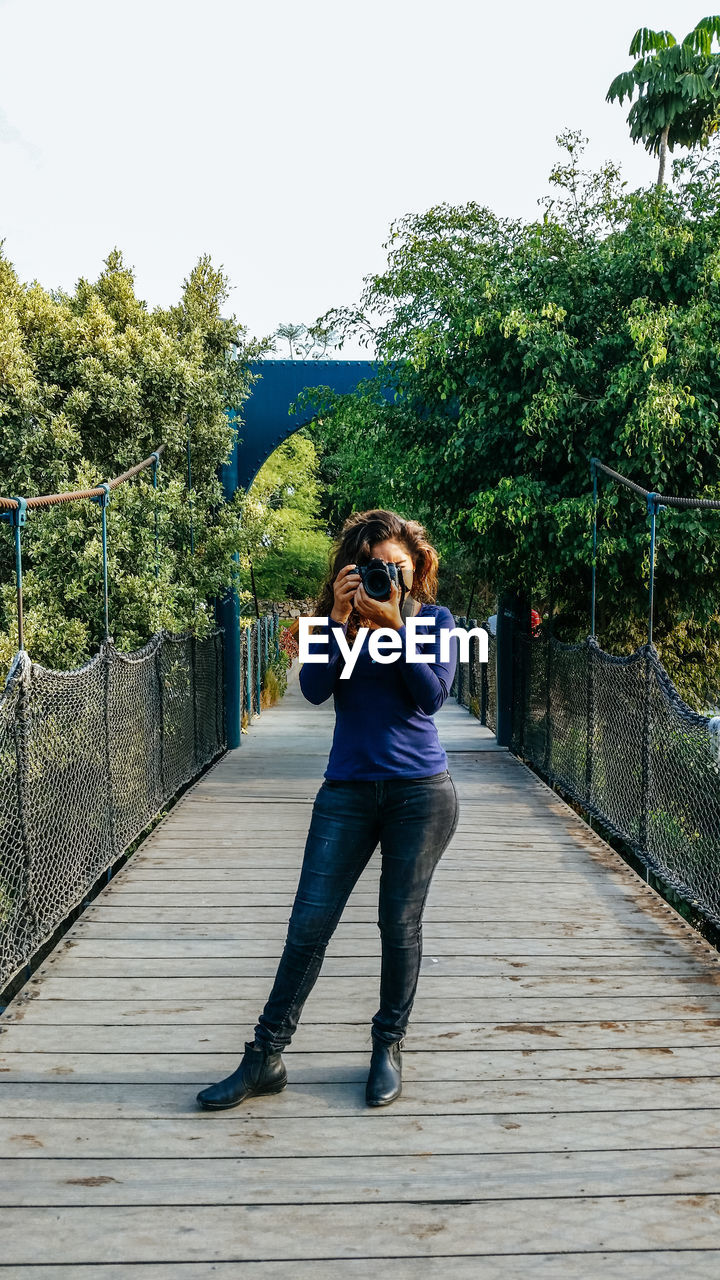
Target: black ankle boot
[384, 1082]
[261, 1071]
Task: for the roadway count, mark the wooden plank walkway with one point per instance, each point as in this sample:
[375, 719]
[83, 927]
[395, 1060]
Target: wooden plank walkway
[560, 1115]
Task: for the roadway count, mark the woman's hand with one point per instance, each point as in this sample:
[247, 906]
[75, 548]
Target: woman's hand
[344, 588]
[385, 613]
[349, 593]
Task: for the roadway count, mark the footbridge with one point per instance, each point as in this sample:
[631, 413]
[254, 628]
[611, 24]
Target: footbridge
[560, 1112]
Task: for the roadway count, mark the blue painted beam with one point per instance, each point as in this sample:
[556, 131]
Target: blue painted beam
[266, 422]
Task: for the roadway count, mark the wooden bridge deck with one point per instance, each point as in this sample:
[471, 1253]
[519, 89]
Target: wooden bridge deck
[560, 1115]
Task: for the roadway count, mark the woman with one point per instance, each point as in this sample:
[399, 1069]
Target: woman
[386, 780]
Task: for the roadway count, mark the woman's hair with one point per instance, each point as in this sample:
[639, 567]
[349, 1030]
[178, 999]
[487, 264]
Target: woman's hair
[360, 533]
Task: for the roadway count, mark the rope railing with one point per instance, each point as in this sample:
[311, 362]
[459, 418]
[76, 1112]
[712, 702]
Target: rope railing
[14, 511]
[88, 757]
[654, 502]
[614, 735]
[712, 504]
[75, 495]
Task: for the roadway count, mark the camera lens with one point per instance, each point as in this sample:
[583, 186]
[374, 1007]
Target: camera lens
[376, 580]
[376, 583]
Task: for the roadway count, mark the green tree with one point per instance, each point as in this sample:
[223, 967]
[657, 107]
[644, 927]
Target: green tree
[517, 351]
[90, 383]
[292, 334]
[678, 88]
[282, 531]
[311, 342]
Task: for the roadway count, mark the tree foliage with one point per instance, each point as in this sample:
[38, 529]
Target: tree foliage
[517, 351]
[677, 86]
[283, 533]
[90, 383]
[305, 342]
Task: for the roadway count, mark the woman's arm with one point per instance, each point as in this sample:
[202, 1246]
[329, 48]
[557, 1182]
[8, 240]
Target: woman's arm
[430, 682]
[317, 679]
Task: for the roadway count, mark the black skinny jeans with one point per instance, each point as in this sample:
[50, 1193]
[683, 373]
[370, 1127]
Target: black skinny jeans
[414, 820]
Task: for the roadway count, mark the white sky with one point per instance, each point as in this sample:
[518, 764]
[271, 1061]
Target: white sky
[283, 138]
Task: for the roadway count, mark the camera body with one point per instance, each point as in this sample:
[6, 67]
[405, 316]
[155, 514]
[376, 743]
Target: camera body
[377, 577]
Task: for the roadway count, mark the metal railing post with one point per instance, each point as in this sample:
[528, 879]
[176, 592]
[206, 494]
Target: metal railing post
[523, 659]
[653, 506]
[473, 663]
[17, 518]
[646, 763]
[547, 753]
[22, 782]
[229, 616]
[484, 686]
[190, 493]
[108, 752]
[594, 547]
[507, 622]
[103, 499]
[258, 664]
[248, 672]
[156, 464]
[161, 721]
[590, 721]
[229, 611]
[456, 687]
[193, 672]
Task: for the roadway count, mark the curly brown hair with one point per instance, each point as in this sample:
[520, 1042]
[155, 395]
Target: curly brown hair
[360, 533]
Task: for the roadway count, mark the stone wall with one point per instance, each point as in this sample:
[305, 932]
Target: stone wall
[289, 608]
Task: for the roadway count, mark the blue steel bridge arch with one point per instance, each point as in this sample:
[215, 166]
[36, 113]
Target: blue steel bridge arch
[266, 423]
[266, 418]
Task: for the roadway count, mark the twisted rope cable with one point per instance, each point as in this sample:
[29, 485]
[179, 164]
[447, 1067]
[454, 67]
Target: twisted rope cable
[707, 503]
[55, 499]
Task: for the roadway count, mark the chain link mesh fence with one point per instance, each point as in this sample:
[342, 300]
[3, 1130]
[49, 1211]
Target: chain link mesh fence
[87, 759]
[259, 646]
[474, 682]
[614, 734]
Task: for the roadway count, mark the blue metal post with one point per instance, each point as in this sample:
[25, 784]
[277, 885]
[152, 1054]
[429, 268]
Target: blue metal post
[230, 622]
[18, 585]
[229, 619]
[653, 506]
[507, 623]
[258, 664]
[156, 464]
[105, 570]
[103, 499]
[190, 503]
[594, 546]
[17, 518]
[248, 671]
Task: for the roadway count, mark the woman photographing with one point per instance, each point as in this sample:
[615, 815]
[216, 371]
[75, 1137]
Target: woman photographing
[386, 782]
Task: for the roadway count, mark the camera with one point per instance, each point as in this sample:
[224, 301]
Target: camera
[377, 577]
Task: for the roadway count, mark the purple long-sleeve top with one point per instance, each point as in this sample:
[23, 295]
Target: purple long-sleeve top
[384, 725]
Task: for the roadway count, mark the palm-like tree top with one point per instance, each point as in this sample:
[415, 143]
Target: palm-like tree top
[678, 87]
